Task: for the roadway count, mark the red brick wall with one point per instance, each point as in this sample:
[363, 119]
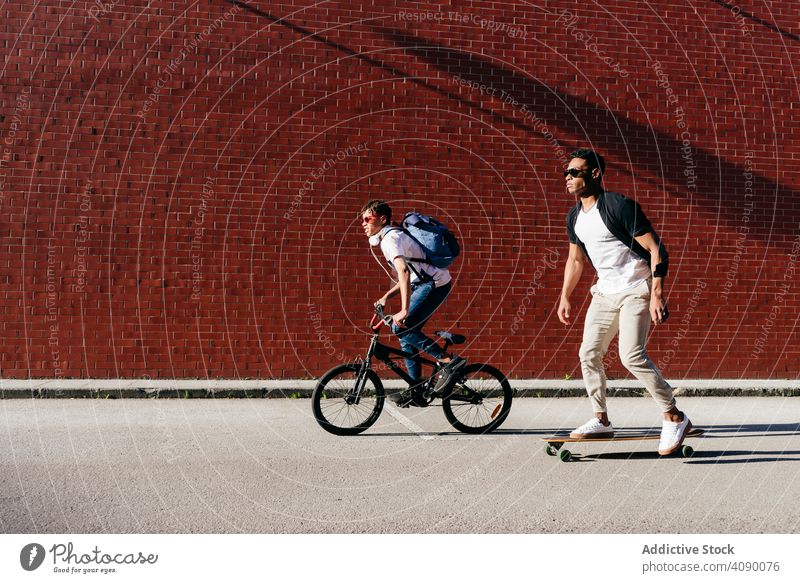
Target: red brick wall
[192, 214]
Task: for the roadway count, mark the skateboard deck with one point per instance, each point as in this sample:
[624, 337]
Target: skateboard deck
[556, 442]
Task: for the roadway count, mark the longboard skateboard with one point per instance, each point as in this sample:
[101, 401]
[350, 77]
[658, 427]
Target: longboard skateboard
[556, 442]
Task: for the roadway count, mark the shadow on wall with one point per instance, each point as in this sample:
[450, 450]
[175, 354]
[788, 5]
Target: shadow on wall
[554, 107]
[638, 143]
[737, 11]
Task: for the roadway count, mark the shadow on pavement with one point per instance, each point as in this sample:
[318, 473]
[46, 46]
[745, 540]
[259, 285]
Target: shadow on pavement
[711, 431]
[765, 429]
[700, 456]
[710, 457]
[498, 432]
[713, 457]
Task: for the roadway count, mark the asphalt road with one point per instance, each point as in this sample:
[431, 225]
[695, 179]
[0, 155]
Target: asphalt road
[264, 466]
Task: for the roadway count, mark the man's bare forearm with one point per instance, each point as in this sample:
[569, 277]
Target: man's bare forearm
[572, 275]
[403, 281]
[651, 244]
[657, 288]
[392, 292]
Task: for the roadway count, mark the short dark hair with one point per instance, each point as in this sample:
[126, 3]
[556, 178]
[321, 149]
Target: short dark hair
[593, 159]
[377, 207]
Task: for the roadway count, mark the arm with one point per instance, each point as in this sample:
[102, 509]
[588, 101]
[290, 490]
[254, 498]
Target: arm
[391, 248]
[404, 284]
[657, 304]
[572, 274]
[389, 294]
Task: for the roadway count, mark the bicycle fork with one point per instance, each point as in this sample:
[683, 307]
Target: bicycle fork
[361, 379]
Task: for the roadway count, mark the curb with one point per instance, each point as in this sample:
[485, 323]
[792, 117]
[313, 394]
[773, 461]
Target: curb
[302, 388]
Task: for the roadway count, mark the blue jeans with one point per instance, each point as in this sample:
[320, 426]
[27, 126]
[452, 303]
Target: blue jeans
[425, 298]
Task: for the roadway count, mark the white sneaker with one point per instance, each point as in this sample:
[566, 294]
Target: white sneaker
[593, 428]
[673, 434]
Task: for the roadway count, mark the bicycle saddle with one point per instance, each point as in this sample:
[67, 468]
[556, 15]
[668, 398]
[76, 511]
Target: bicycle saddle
[452, 338]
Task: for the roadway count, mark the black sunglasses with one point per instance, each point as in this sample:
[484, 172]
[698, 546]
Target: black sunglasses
[574, 172]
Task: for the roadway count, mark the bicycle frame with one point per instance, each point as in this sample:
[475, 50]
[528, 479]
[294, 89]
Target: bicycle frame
[385, 354]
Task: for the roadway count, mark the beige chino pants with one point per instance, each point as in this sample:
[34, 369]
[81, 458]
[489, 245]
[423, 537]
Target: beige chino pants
[628, 313]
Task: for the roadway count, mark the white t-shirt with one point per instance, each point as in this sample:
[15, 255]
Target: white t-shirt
[618, 268]
[395, 242]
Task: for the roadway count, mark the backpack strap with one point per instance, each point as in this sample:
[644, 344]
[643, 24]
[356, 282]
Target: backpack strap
[372, 250]
[413, 238]
[422, 275]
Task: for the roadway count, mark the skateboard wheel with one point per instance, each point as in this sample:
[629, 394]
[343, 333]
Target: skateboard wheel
[549, 450]
[687, 451]
[565, 455]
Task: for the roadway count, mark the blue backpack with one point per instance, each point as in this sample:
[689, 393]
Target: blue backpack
[440, 245]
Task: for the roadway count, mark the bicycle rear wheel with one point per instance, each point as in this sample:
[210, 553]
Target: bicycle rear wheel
[334, 403]
[480, 399]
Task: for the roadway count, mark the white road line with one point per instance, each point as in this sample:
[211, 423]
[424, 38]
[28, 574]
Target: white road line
[408, 423]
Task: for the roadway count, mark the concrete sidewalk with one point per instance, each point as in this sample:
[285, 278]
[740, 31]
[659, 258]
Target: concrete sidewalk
[302, 388]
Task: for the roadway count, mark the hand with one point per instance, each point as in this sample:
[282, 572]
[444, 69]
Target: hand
[658, 310]
[381, 302]
[400, 318]
[564, 308]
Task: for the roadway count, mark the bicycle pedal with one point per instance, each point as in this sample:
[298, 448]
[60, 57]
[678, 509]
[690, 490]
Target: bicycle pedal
[419, 401]
[401, 399]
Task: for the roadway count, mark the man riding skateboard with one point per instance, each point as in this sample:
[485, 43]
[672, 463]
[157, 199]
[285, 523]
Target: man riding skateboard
[631, 263]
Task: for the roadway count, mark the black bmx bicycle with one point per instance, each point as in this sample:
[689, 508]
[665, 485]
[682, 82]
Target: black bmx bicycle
[349, 398]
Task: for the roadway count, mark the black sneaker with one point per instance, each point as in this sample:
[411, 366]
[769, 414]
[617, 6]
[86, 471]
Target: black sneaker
[411, 397]
[402, 399]
[448, 373]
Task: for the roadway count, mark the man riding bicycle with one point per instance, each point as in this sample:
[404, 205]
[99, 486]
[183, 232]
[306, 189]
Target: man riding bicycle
[422, 290]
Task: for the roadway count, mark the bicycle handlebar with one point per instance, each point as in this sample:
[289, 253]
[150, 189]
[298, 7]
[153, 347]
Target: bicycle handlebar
[382, 318]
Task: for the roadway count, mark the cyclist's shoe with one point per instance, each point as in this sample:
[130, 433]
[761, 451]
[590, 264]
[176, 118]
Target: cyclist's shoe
[673, 434]
[593, 428]
[410, 397]
[448, 374]
[402, 399]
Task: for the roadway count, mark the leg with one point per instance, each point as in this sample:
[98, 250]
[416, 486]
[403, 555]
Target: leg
[634, 323]
[412, 366]
[424, 300]
[601, 325]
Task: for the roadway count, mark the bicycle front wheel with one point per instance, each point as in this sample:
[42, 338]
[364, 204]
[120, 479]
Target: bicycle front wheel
[480, 399]
[339, 407]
